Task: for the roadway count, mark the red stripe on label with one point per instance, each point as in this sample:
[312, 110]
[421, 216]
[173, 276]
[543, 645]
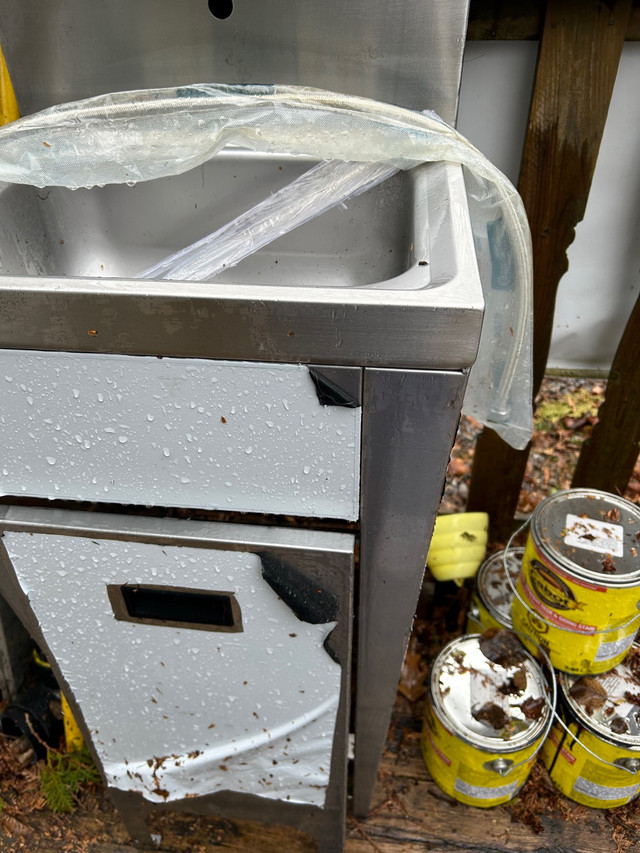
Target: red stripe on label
[564, 752]
[566, 575]
[553, 617]
[440, 755]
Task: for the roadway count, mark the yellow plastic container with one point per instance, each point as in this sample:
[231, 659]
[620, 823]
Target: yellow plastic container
[73, 739]
[458, 545]
[72, 736]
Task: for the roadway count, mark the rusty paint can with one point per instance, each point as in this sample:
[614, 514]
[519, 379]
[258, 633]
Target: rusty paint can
[493, 594]
[578, 593]
[597, 761]
[485, 720]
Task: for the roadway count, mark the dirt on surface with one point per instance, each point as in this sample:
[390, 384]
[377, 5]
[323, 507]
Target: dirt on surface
[567, 411]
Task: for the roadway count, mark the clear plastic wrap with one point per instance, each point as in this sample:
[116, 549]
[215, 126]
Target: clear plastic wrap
[321, 188]
[136, 136]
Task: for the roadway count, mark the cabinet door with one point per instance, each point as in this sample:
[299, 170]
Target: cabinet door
[201, 657]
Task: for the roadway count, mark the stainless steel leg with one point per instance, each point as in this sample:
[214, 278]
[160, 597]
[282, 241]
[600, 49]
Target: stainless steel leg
[409, 424]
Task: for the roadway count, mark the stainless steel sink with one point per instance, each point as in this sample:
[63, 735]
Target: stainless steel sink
[396, 253]
[389, 284]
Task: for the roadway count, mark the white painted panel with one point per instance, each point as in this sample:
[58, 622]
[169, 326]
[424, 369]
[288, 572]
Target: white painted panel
[596, 295]
[175, 432]
[598, 291]
[497, 81]
[252, 712]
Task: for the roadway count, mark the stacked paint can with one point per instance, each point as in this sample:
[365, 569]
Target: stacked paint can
[487, 715]
[493, 593]
[578, 593]
[578, 597]
[595, 757]
[574, 592]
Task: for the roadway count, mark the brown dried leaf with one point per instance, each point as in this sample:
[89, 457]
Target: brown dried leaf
[458, 468]
[14, 827]
[532, 708]
[492, 714]
[619, 725]
[414, 671]
[502, 647]
[589, 693]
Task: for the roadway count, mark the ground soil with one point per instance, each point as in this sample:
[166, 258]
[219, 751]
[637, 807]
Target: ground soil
[566, 415]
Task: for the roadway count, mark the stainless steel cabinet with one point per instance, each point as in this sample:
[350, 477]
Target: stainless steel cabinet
[206, 661]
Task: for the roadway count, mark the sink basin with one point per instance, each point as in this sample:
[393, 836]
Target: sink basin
[389, 278]
[116, 231]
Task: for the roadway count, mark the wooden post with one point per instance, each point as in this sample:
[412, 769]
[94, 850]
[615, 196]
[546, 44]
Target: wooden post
[577, 66]
[608, 458]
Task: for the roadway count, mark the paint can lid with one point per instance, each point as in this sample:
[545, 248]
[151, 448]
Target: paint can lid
[493, 588]
[489, 691]
[608, 704]
[591, 534]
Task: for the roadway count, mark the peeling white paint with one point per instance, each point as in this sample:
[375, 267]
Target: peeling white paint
[175, 711]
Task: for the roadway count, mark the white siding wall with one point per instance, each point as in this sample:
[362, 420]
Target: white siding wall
[603, 281]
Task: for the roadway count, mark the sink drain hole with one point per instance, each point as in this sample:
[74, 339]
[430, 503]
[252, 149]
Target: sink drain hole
[221, 9]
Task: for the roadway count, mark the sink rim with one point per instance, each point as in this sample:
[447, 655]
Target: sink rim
[370, 325]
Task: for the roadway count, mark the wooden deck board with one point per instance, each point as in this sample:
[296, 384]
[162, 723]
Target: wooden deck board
[409, 814]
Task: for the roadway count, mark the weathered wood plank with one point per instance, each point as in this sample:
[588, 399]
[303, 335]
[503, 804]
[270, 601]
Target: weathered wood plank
[577, 66]
[97, 829]
[608, 458]
[498, 20]
[411, 812]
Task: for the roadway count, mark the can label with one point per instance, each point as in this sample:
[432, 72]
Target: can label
[594, 535]
[479, 792]
[595, 791]
[584, 627]
[445, 759]
[564, 752]
[583, 778]
[458, 768]
[614, 649]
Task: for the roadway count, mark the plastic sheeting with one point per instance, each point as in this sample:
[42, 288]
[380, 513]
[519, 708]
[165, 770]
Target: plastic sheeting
[324, 186]
[141, 135]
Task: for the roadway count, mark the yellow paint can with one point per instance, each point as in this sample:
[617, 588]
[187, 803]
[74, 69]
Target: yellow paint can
[493, 594]
[485, 720]
[578, 593]
[597, 761]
